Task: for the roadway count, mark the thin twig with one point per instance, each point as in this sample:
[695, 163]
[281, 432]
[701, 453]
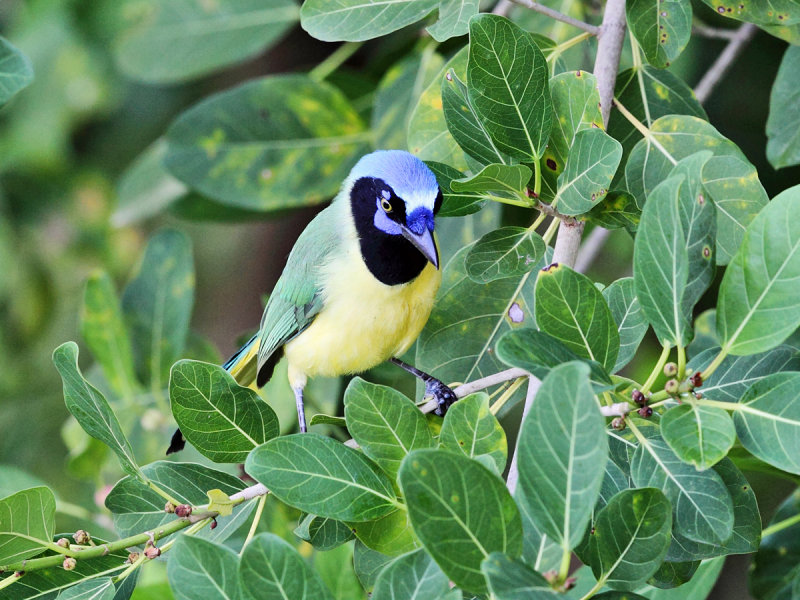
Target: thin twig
[513, 470]
[568, 242]
[591, 248]
[558, 16]
[724, 61]
[502, 8]
[715, 33]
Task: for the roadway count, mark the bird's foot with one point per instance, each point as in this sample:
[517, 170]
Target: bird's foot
[443, 395]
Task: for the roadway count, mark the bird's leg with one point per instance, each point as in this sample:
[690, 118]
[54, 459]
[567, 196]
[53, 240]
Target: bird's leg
[301, 411]
[443, 395]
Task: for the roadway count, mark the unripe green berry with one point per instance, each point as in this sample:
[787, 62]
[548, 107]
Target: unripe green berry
[670, 369]
[69, 563]
[671, 387]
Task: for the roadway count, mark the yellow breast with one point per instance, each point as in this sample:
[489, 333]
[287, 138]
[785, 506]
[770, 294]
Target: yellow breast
[364, 322]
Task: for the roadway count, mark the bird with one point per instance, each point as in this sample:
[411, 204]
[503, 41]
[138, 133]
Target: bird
[358, 285]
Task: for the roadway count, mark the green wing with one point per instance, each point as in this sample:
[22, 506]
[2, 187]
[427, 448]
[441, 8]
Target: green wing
[297, 296]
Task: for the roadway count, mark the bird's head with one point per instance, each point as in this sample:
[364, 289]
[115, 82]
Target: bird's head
[394, 198]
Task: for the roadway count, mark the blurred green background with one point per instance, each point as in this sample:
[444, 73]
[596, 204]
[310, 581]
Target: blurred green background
[66, 140]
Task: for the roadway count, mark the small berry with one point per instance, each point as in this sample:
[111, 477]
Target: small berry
[169, 508]
[696, 379]
[214, 524]
[671, 387]
[152, 552]
[133, 557]
[645, 412]
[638, 397]
[69, 563]
[618, 423]
[698, 395]
[569, 583]
[82, 537]
[183, 510]
[63, 543]
[551, 576]
[670, 369]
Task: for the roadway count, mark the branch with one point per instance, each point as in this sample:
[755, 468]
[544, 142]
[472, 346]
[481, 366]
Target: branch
[704, 30]
[513, 470]
[591, 248]
[558, 16]
[724, 61]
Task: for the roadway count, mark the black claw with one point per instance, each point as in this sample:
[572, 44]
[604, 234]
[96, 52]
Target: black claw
[443, 395]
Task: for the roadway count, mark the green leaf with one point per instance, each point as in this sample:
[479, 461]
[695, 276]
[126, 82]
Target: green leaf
[576, 107]
[346, 486]
[505, 252]
[454, 16]
[768, 420]
[512, 579]
[758, 307]
[271, 569]
[729, 179]
[649, 93]
[593, 159]
[471, 429]
[367, 564]
[508, 86]
[165, 42]
[398, 93]
[631, 536]
[359, 20]
[428, 136]
[221, 419]
[661, 264]
[746, 524]
[776, 565]
[699, 435]
[662, 28]
[571, 309]
[322, 533]
[269, 156]
[538, 353]
[454, 204]
[783, 124]
[390, 534]
[561, 474]
[198, 568]
[773, 12]
[698, 222]
[616, 210]
[703, 509]
[627, 312]
[538, 550]
[451, 350]
[735, 374]
[461, 512]
[463, 121]
[138, 508]
[673, 574]
[16, 71]
[91, 409]
[146, 188]
[104, 331]
[506, 181]
[157, 304]
[27, 523]
[101, 588]
[412, 575]
[386, 424]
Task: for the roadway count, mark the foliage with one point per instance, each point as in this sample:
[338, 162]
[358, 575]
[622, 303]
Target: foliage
[643, 480]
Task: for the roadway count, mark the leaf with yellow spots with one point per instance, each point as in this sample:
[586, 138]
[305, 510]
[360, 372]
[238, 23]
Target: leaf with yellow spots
[157, 304]
[773, 13]
[104, 331]
[661, 27]
[272, 143]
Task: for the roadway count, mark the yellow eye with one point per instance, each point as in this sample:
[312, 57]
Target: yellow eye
[386, 205]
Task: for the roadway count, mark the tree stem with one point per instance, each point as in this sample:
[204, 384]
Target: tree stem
[714, 364]
[780, 525]
[334, 60]
[659, 366]
[646, 133]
